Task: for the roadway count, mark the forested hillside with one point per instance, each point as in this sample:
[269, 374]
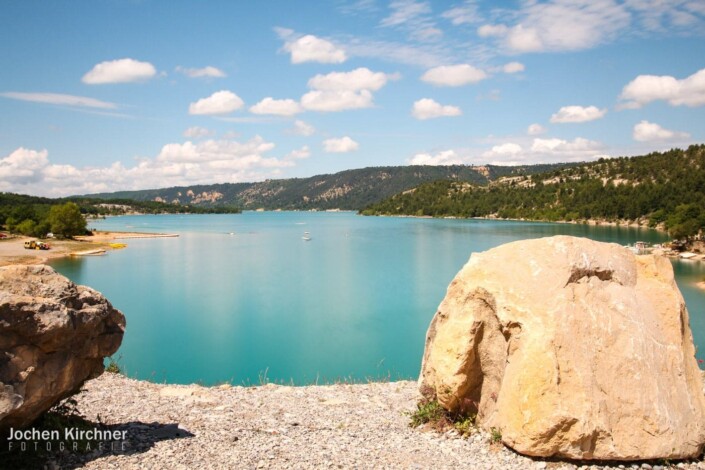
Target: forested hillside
[347, 190]
[665, 188]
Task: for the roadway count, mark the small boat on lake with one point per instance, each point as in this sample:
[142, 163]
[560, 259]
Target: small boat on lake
[306, 237]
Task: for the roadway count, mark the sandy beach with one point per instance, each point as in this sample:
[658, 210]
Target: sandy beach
[12, 250]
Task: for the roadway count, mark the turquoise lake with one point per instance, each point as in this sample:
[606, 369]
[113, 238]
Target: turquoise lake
[354, 302]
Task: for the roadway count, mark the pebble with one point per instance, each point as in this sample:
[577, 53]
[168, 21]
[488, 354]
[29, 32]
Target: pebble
[332, 426]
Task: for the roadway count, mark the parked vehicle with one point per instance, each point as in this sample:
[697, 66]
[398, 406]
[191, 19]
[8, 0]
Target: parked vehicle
[36, 245]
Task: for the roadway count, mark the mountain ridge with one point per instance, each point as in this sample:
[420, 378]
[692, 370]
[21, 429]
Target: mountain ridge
[346, 190]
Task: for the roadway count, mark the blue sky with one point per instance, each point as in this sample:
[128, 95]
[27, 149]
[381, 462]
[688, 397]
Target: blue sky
[107, 95]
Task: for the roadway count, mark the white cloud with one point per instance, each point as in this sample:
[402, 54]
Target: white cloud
[119, 71]
[23, 166]
[573, 114]
[341, 145]
[338, 91]
[508, 149]
[646, 131]
[465, 14]
[492, 30]
[277, 107]
[197, 132]
[535, 129]
[445, 157]
[303, 152]
[331, 101]
[220, 102]
[574, 150]
[309, 48]
[359, 79]
[427, 108]
[405, 11]
[513, 67]
[177, 164]
[644, 89]
[205, 72]
[303, 128]
[523, 151]
[453, 75]
[566, 25]
[60, 99]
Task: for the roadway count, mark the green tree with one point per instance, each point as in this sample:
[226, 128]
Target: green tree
[26, 227]
[66, 220]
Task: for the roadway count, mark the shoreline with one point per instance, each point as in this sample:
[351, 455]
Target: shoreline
[274, 426]
[12, 250]
[591, 222]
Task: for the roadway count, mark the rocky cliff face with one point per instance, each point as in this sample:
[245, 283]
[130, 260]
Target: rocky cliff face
[570, 348]
[53, 337]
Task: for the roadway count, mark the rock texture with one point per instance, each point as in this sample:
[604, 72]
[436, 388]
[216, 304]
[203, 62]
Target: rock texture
[53, 336]
[571, 348]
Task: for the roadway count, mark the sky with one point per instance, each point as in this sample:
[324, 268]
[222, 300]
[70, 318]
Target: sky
[109, 95]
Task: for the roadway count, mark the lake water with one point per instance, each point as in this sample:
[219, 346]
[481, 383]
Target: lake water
[354, 302]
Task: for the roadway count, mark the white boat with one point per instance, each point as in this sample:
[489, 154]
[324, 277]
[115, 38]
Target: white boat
[306, 237]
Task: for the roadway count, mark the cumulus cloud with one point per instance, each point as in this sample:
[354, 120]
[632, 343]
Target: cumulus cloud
[310, 48]
[119, 71]
[60, 99]
[276, 107]
[453, 75]
[220, 102]
[508, 149]
[177, 164]
[197, 132]
[513, 67]
[427, 108]
[330, 101]
[644, 89]
[492, 30]
[359, 79]
[570, 149]
[523, 151]
[573, 114]
[23, 166]
[338, 91]
[445, 157]
[646, 131]
[303, 128]
[303, 152]
[341, 145]
[535, 129]
[205, 72]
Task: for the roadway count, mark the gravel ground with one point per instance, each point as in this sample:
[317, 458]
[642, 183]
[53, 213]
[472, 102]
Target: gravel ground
[271, 426]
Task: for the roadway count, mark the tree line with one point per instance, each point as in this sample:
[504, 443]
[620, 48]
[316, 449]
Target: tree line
[39, 216]
[662, 188]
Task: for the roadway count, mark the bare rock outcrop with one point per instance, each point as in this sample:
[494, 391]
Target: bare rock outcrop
[569, 347]
[53, 337]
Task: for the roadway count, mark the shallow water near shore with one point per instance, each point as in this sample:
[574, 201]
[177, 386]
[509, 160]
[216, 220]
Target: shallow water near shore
[244, 298]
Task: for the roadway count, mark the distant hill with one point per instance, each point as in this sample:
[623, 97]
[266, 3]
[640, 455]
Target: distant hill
[347, 190]
[659, 188]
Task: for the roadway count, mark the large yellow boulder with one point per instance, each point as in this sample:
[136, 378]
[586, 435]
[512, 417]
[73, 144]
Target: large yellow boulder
[571, 348]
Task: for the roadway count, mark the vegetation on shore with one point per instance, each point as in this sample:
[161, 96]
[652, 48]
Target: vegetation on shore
[663, 189]
[66, 217]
